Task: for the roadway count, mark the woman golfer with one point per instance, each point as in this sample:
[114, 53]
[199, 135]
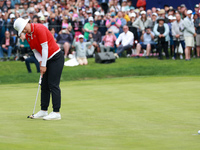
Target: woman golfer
[51, 61]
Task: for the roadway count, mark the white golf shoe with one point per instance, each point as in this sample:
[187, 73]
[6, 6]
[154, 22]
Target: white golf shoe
[53, 116]
[40, 114]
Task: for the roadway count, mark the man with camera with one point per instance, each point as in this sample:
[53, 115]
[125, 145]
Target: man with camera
[109, 41]
[64, 40]
[114, 24]
[147, 43]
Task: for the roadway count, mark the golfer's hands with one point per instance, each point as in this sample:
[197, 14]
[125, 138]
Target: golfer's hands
[42, 69]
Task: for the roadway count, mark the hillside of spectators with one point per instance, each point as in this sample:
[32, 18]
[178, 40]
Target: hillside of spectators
[170, 32]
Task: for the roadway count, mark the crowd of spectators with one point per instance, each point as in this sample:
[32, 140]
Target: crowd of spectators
[105, 25]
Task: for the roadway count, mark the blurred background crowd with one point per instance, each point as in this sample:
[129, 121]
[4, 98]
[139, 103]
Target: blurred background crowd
[166, 31]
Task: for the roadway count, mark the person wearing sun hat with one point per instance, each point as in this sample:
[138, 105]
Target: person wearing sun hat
[189, 34]
[161, 30]
[51, 61]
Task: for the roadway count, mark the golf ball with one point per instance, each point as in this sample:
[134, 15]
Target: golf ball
[199, 132]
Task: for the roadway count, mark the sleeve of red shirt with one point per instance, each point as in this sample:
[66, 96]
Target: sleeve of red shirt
[41, 34]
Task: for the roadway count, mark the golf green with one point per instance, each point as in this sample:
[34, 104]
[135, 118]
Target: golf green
[132, 113]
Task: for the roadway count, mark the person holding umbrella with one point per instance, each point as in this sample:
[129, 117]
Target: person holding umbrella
[51, 60]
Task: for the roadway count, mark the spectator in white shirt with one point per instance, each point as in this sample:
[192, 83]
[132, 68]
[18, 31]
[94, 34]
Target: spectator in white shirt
[126, 38]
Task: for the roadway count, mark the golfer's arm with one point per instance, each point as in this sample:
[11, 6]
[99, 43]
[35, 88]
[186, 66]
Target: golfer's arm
[44, 54]
[37, 55]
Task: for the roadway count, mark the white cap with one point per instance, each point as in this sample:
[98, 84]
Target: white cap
[189, 12]
[97, 13]
[112, 8]
[170, 17]
[154, 14]
[143, 12]
[158, 9]
[80, 36]
[12, 16]
[42, 18]
[102, 13]
[123, 9]
[90, 19]
[174, 18]
[132, 15]
[20, 24]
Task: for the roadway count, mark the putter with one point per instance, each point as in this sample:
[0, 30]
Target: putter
[40, 81]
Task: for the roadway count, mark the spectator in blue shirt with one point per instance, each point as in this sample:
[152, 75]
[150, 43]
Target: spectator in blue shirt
[147, 43]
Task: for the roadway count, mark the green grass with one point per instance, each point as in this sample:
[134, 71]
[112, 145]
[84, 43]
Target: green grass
[15, 72]
[131, 113]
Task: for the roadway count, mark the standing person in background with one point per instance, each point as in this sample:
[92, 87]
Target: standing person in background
[6, 45]
[131, 28]
[161, 29]
[197, 26]
[189, 34]
[177, 33]
[51, 61]
[171, 20]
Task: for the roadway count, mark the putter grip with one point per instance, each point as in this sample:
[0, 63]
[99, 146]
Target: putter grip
[40, 80]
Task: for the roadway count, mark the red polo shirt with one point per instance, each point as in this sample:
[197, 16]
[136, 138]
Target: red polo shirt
[40, 34]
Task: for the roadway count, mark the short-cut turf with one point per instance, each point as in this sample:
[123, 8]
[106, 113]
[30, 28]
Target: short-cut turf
[141, 113]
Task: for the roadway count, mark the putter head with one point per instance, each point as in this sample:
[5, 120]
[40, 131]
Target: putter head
[31, 116]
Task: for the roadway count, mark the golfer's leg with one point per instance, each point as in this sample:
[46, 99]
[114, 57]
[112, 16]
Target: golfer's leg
[54, 74]
[45, 91]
